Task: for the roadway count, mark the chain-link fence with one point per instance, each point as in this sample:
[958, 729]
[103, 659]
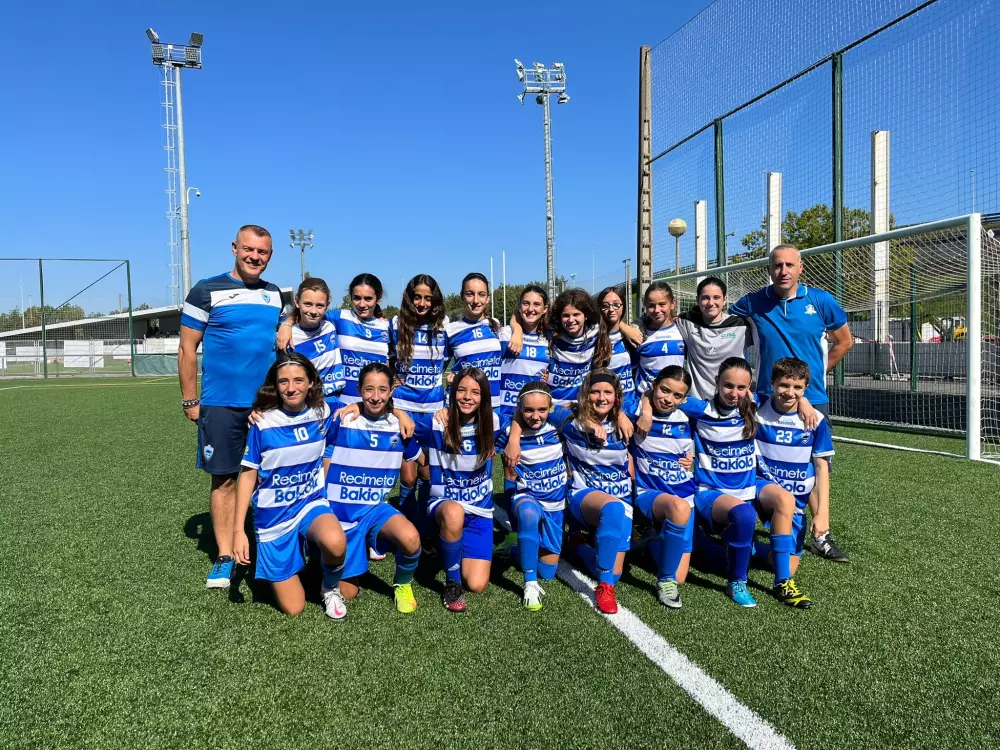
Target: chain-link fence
[66, 318]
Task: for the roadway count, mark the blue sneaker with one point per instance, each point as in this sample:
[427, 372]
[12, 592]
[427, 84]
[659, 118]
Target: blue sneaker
[738, 592]
[222, 571]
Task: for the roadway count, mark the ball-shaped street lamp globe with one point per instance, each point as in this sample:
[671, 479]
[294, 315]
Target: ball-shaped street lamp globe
[677, 227]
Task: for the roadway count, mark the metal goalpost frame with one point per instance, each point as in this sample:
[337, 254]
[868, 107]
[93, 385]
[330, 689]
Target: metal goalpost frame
[972, 225]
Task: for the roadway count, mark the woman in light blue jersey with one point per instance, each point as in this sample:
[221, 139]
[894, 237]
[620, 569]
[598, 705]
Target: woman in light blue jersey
[363, 457]
[663, 343]
[728, 496]
[316, 337]
[539, 495]
[624, 340]
[664, 486]
[418, 351]
[460, 453]
[474, 340]
[283, 477]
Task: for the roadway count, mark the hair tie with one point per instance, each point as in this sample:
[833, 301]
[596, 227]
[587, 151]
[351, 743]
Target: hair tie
[603, 377]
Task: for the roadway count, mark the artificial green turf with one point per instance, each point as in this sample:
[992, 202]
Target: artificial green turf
[108, 639]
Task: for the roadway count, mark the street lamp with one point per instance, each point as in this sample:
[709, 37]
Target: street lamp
[171, 58]
[544, 82]
[302, 240]
[677, 228]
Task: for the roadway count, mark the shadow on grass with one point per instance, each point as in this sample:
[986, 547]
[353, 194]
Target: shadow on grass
[199, 528]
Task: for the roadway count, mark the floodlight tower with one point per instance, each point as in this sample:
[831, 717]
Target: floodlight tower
[302, 240]
[171, 58]
[544, 82]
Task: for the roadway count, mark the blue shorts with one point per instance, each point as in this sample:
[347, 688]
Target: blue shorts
[575, 503]
[550, 530]
[222, 436]
[703, 502]
[282, 558]
[364, 534]
[423, 426]
[644, 500]
[798, 520]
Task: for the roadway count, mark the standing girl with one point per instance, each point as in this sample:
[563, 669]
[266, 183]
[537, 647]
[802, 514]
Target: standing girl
[580, 343]
[728, 495]
[539, 496]
[418, 351]
[663, 344]
[460, 454]
[363, 458]
[473, 339]
[316, 338]
[664, 487]
[283, 477]
[623, 345]
[531, 358]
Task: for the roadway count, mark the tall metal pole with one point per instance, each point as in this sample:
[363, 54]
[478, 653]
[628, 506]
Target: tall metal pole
[41, 293]
[182, 178]
[550, 240]
[644, 228]
[131, 330]
[677, 254]
[837, 69]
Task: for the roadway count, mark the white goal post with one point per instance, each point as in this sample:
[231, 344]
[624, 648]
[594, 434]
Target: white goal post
[931, 363]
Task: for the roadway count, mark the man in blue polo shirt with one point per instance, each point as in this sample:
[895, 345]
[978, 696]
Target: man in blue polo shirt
[234, 317]
[790, 319]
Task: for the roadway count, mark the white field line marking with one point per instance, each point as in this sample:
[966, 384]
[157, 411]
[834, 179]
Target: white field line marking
[746, 725]
[12, 387]
[84, 385]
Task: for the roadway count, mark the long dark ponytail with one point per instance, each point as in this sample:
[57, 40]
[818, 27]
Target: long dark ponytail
[409, 318]
[746, 405]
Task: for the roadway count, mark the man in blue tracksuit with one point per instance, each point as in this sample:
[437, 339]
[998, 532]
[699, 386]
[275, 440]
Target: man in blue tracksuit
[790, 319]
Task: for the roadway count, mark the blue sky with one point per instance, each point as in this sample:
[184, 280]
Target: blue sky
[392, 130]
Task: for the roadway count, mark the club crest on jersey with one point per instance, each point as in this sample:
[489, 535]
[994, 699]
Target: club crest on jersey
[810, 309]
[208, 451]
[805, 438]
[267, 297]
[393, 441]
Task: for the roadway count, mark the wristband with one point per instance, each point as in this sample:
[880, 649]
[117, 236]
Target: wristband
[189, 403]
[287, 325]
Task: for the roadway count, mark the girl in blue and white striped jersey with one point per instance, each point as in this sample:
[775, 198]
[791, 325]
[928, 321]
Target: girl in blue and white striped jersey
[316, 337]
[664, 486]
[600, 495]
[663, 343]
[613, 310]
[363, 457]
[362, 331]
[283, 477]
[460, 454]
[539, 496]
[530, 360]
[579, 344]
[418, 351]
[474, 339]
[728, 495]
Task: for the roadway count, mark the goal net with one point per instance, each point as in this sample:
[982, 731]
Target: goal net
[923, 305]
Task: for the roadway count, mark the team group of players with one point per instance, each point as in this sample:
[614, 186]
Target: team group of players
[591, 415]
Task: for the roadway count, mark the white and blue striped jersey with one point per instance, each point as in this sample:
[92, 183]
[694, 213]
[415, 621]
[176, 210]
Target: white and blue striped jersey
[526, 367]
[657, 453]
[660, 348]
[423, 376]
[365, 455]
[474, 344]
[541, 472]
[569, 362]
[621, 365]
[724, 459]
[286, 449]
[595, 465]
[361, 342]
[319, 345]
[460, 476]
[786, 448]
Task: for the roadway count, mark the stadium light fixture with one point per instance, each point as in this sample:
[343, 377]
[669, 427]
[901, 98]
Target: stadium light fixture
[153, 36]
[302, 240]
[196, 39]
[543, 83]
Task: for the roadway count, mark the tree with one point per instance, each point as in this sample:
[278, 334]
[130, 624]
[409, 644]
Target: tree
[810, 228]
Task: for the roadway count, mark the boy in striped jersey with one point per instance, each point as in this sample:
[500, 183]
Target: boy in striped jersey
[791, 453]
[363, 457]
[283, 477]
[539, 496]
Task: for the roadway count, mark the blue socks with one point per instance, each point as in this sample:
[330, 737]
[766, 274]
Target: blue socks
[738, 538]
[607, 540]
[331, 576]
[405, 567]
[671, 550]
[546, 571]
[782, 546]
[508, 502]
[408, 503]
[451, 559]
[529, 515]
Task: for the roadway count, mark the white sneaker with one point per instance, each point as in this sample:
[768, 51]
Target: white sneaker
[532, 596]
[374, 554]
[333, 602]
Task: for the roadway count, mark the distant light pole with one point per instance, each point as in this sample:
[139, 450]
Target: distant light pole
[173, 57]
[544, 82]
[677, 228]
[628, 288]
[302, 241]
